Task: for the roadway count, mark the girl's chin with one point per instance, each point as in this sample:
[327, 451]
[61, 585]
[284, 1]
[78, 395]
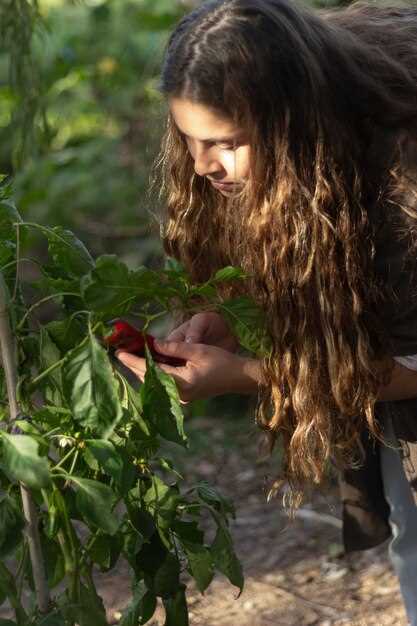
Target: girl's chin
[233, 191]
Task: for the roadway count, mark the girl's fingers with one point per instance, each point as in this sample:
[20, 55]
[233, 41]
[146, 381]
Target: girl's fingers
[181, 349]
[138, 366]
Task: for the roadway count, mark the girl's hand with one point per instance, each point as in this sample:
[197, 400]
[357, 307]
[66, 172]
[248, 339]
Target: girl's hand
[208, 328]
[210, 371]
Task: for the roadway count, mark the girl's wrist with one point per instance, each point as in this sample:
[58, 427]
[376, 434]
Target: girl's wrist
[248, 376]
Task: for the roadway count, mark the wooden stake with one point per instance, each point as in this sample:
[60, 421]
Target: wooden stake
[8, 357]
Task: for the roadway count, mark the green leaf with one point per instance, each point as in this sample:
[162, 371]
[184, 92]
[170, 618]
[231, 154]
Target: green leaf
[52, 416]
[53, 619]
[48, 285]
[229, 273]
[225, 559]
[111, 288]
[105, 551]
[188, 531]
[68, 253]
[140, 429]
[107, 457]
[148, 607]
[161, 403]
[7, 252]
[167, 465]
[7, 582]
[11, 525]
[161, 501]
[167, 577]
[142, 521]
[91, 610]
[176, 610]
[66, 333]
[26, 427]
[20, 459]
[95, 502]
[7, 622]
[49, 354]
[213, 497]
[133, 614]
[91, 389]
[132, 544]
[247, 321]
[151, 556]
[6, 189]
[8, 216]
[200, 561]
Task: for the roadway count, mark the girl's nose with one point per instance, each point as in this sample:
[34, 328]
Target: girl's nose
[204, 164]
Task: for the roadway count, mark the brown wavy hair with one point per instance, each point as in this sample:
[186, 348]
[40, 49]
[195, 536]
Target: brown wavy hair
[330, 101]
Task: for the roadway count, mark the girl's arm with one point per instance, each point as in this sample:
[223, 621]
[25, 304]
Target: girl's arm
[247, 376]
[402, 386]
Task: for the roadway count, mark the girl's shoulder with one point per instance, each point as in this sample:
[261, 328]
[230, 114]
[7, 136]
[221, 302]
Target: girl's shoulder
[395, 260]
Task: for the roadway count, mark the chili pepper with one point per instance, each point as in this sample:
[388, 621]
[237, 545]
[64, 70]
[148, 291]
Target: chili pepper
[126, 337]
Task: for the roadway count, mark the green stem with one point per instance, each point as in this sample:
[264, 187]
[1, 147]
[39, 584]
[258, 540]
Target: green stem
[52, 432]
[61, 362]
[66, 539]
[66, 553]
[8, 355]
[16, 282]
[21, 570]
[37, 304]
[48, 371]
[62, 461]
[88, 547]
[11, 592]
[15, 262]
[74, 461]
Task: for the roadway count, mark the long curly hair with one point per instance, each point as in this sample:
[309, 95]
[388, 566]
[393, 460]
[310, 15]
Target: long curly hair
[329, 99]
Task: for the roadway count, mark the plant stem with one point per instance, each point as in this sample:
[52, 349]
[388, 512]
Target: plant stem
[12, 595]
[21, 260]
[62, 461]
[46, 299]
[16, 280]
[61, 362]
[8, 353]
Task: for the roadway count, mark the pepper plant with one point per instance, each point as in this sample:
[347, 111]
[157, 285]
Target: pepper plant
[83, 481]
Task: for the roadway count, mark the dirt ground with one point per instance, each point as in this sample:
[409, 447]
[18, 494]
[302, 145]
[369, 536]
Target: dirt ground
[295, 572]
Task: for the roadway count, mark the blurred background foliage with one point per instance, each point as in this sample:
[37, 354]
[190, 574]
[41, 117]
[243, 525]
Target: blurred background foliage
[81, 120]
[81, 116]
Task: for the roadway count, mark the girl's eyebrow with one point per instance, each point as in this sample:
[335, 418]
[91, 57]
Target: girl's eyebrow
[230, 138]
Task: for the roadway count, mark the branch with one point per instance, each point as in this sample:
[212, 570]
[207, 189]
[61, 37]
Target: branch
[8, 353]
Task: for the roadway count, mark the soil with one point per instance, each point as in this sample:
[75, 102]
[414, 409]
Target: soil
[295, 571]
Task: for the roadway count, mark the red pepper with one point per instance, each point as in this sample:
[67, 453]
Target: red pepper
[126, 337]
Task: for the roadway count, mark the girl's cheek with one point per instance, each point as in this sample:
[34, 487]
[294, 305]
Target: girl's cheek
[236, 163]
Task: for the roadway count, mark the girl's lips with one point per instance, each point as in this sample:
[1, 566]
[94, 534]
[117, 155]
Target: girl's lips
[225, 186]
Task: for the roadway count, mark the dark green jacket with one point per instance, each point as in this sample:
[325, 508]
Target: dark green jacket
[365, 510]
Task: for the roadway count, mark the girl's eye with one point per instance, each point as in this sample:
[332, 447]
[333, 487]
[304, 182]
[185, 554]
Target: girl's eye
[227, 146]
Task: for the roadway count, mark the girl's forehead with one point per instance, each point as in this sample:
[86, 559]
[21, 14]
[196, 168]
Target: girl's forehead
[200, 121]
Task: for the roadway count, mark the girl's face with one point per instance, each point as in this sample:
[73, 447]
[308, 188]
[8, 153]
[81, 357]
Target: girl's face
[219, 149]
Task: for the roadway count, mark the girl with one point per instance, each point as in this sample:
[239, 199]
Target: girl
[290, 151]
